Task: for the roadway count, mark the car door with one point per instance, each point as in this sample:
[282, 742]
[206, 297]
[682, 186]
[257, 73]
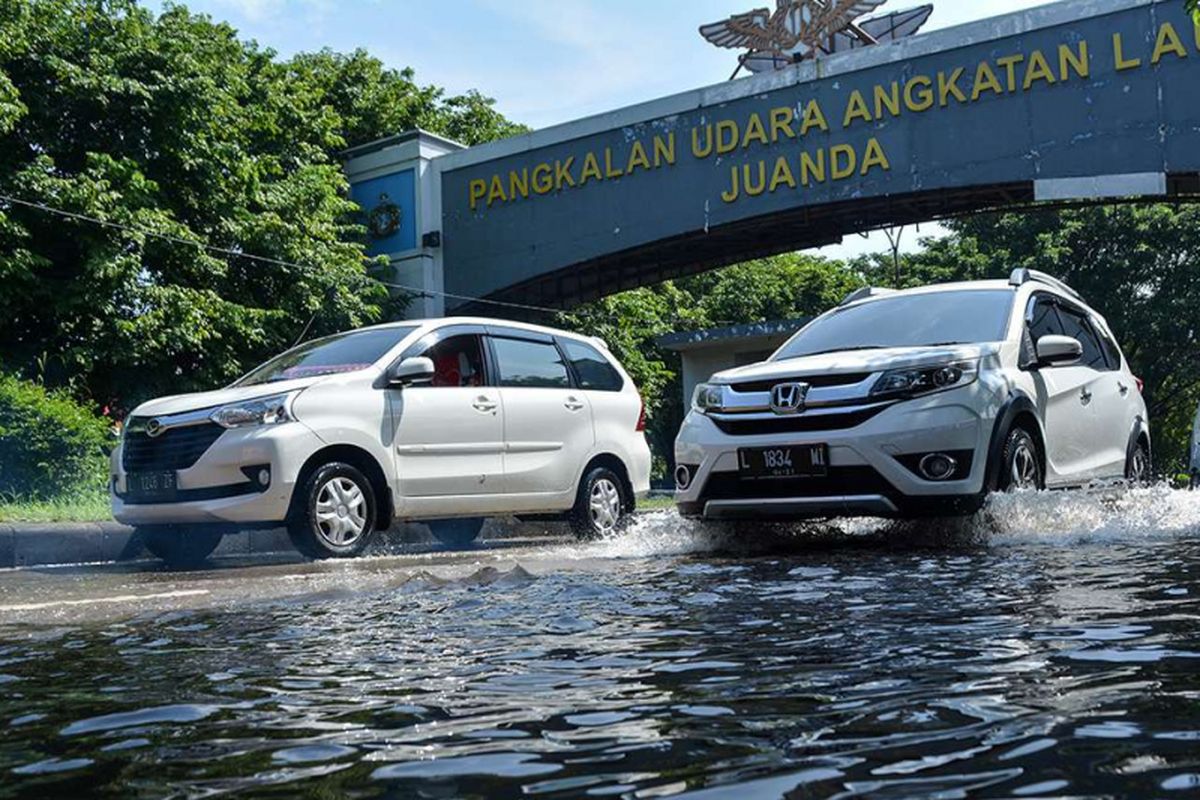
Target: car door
[449, 434]
[1112, 396]
[547, 420]
[1065, 396]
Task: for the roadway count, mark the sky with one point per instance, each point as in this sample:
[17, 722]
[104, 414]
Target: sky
[544, 61]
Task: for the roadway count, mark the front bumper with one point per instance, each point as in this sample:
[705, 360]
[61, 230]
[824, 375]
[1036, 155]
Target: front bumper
[869, 474]
[216, 489]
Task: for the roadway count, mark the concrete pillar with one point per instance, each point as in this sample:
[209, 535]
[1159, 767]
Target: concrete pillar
[395, 182]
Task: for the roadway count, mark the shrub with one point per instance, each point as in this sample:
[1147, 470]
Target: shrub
[50, 445]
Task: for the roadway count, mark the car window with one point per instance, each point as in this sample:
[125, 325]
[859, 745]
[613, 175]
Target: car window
[1111, 351]
[591, 368]
[457, 362]
[922, 319]
[530, 364]
[1076, 325]
[345, 352]
[1042, 319]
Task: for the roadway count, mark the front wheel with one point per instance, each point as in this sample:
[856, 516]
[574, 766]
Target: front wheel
[601, 505]
[1021, 463]
[335, 513]
[178, 546]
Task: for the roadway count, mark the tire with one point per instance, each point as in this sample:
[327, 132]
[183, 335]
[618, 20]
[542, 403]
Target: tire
[335, 513]
[455, 532]
[602, 505]
[1020, 463]
[180, 547]
[1137, 465]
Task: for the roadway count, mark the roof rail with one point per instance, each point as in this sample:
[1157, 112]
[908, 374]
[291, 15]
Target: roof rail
[864, 293]
[1022, 276]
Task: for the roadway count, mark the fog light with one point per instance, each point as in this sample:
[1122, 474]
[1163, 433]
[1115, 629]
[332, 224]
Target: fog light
[683, 477]
[938, 467]
[264, 477]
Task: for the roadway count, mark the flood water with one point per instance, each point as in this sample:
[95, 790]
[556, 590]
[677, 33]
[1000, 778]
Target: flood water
[1050, 648]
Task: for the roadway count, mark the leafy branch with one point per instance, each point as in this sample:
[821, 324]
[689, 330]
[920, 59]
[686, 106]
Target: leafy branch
[1194, 7]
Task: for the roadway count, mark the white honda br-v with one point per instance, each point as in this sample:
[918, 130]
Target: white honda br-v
[444, 421]
[918, 403]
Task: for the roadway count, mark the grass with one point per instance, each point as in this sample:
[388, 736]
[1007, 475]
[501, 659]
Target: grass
[656, 504]
[81, 506]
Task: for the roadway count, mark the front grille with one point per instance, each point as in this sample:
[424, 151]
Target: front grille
[841, 481]
[174, 449]
[815, 381]
[801, 423]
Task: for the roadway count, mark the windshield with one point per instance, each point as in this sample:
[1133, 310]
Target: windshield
[344, 352]
[912, 320]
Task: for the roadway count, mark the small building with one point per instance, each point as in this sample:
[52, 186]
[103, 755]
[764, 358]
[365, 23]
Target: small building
[709, 351]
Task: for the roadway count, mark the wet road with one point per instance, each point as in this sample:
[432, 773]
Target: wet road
[1051, 648]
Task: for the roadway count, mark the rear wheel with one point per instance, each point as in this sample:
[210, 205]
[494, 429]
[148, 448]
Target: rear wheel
[455, 532]
[1137, 465]
[1021, 463]
[601, 505]
[178, 546]
[335, 517]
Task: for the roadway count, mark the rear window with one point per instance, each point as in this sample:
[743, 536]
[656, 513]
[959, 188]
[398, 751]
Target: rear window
[594, 371]
[344, 352]
[530, 365]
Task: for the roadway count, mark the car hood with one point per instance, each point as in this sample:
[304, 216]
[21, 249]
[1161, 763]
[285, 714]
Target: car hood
[180, 403]
[855, 361]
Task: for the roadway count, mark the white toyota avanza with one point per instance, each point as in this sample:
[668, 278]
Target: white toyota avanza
[443, 421]
[917, 403]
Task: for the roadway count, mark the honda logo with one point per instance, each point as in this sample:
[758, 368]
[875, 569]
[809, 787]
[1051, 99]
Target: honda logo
[154, 427]
[788, 398]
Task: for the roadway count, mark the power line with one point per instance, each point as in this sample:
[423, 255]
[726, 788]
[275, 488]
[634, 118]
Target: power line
[74, 215]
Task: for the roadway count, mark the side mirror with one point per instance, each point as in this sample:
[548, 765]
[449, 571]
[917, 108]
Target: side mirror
[1058, 351]
[411, 371]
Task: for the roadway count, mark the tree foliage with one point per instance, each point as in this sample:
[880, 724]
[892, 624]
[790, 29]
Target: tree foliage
[1139, 266]
[1194, 7]
[171, 124]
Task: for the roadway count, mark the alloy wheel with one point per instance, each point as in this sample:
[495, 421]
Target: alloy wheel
[1139, 467]
[341, 512]
[1024, 467]
[605, 506]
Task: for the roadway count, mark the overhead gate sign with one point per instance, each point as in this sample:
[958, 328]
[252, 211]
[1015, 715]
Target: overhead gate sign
[1099, 96]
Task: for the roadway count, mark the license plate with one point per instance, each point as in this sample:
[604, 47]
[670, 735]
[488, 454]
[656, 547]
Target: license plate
[803, 461]
[145, 486]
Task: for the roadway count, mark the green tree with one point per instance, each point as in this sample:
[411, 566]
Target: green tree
[171, 124]
[1194, 7]
[1137, 265]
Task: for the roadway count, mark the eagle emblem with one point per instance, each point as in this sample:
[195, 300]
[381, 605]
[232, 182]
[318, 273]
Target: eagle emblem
[799, 29]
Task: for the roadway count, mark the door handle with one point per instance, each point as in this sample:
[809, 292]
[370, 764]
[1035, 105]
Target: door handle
[573, 404]
[483, 405]
[1085, 396]
[1124, 389]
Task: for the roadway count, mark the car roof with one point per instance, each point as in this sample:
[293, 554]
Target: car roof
[442, 322]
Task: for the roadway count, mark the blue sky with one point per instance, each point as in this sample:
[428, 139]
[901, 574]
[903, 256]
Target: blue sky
[545, 61]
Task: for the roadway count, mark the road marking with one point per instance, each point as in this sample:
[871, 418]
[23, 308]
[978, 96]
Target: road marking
[124, 598]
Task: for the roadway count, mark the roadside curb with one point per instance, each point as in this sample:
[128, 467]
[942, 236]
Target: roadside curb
[55, 543]
[44, 544]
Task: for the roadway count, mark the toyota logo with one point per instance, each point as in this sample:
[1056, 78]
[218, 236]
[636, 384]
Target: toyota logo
[788, 398]
[154, 427]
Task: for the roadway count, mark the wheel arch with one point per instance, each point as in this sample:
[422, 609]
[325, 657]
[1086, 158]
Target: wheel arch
[1018, 411]
[363, 461]
[1138, 434]
[616, 464]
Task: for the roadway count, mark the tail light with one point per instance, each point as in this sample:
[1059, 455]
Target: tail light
[1141, 384]
[641, 423]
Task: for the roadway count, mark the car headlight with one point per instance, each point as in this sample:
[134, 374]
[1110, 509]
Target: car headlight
[916, 381]
[273, 410]
[708, 397]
